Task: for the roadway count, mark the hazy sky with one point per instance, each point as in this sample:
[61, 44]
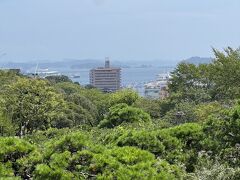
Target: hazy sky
[121, 29]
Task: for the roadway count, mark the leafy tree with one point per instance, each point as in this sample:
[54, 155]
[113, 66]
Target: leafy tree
[182, 113]
[206, 82]
[41, 137]
[194, 133]
[127, 96]
[31, 104]
[222, 135]
[205, 110]
[191, 82]
[122, 113]
[73, 115]
[84, 102]
[89, 86]
[152, 107]
[224, 72]
[7, 128]
[183, 77]
[99, 99]
[67, 87]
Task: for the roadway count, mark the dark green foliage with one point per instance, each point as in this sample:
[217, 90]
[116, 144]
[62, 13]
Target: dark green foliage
[89, 86]
[191, 82]
[84, 105]
[74, 132]
[152, 107]
[225, 73]
[7, 128]
[223, 135]
[182, 113]
[41, 137]
[58, 79]
[68, 87]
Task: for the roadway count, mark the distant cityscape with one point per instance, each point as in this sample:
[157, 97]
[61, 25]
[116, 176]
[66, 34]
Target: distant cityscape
[147, 79]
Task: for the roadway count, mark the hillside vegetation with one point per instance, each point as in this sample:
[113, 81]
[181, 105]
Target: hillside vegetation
[56, 129]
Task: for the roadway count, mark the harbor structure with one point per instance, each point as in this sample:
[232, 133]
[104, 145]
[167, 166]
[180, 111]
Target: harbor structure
[157, 89]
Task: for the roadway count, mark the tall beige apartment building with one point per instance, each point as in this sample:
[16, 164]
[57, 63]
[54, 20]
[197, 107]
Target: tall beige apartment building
[107, 79]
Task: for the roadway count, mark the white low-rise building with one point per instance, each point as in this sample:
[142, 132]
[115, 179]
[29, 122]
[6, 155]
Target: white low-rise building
[157, 89]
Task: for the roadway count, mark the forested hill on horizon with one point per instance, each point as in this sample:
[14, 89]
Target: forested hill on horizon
[198, 60]
[52, 128]
[93, 63]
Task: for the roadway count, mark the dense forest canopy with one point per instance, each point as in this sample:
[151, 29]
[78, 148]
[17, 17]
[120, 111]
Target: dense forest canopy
[55, 129]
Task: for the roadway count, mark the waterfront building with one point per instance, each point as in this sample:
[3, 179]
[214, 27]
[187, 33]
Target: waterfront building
[107, 79]
[157, 89]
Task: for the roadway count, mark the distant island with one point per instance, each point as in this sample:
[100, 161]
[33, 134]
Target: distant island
[198, 60]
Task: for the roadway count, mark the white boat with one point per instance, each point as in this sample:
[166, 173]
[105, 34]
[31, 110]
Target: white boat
[43, 73]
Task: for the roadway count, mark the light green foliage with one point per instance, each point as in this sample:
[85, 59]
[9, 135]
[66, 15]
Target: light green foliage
[187, 112]
[31, 104]
[177, 145]
[6, 78]
[12, 151]
[122, 113]
[194, 133]
[75, 156]
[73, 115]
[190, 134]
[158, 142]
[127, 96]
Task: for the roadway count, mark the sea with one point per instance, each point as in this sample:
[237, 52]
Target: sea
[133, 77]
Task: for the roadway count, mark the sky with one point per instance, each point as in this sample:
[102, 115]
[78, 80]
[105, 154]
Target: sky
[35, 30]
